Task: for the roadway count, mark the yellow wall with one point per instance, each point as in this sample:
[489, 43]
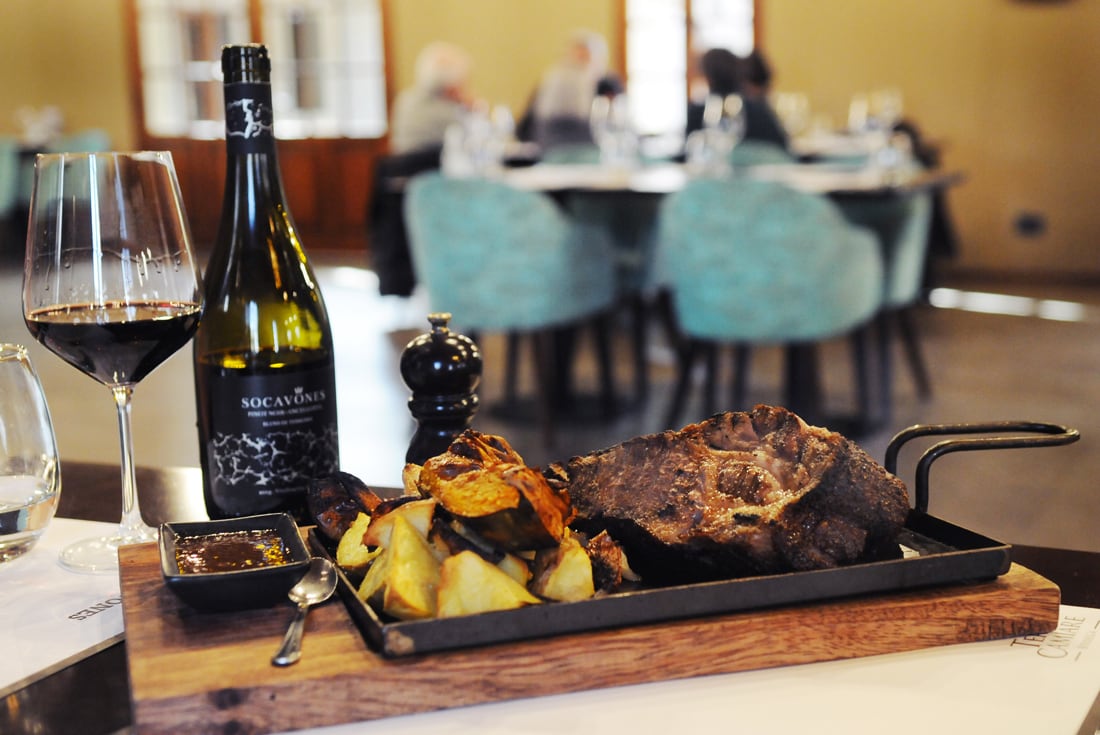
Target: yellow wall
[70, 54]
[511, 41]
[1009, 86]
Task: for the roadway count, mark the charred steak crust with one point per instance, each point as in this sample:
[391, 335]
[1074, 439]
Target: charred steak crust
[741, 493]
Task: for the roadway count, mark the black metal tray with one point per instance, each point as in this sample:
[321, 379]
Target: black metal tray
[933, 552]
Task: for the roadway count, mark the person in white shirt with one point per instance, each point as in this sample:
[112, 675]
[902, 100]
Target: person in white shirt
[563, 101]
[439, 97]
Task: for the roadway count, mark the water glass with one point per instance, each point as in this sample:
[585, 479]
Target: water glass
[30, 476]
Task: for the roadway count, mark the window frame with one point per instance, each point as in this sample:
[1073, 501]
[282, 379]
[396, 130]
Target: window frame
[214, 127]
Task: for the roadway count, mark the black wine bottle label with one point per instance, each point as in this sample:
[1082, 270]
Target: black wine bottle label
[248, 118]
[271, 434]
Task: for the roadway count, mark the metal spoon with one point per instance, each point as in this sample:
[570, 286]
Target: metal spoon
[315, 587]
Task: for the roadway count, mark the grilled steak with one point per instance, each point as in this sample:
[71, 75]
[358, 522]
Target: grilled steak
[737, 494]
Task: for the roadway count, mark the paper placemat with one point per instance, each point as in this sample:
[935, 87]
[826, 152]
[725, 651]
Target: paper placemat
[50, 616]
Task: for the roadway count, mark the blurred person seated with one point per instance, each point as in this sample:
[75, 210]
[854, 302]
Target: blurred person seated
[724, 74]
[438, 98]
[559, 110]
[756, 75]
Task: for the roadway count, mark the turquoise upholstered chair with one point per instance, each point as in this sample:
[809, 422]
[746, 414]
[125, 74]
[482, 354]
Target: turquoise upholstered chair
[504, 260]
[90, 140]
[902, 223]
[757, 263]
[9, 176]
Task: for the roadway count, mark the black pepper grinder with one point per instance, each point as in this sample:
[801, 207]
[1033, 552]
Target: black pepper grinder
[443, 370]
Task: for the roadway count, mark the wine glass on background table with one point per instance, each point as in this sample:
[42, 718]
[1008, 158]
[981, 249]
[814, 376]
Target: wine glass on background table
[111, 286]
[710, 149]
[612, 130]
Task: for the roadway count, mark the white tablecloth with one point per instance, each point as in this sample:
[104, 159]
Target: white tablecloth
[1045, 685]
[50, 616]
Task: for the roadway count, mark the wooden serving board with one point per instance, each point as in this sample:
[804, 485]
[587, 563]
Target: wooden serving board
[194, 672]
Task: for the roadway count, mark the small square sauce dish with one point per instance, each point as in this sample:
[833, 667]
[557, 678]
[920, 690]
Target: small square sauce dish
[233, 564]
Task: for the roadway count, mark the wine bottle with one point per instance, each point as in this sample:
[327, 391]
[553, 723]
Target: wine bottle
[263, 354]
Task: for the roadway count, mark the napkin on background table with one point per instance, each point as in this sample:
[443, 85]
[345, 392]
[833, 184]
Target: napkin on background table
[50, 616]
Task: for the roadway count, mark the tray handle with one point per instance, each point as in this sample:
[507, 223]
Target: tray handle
[1038, 434]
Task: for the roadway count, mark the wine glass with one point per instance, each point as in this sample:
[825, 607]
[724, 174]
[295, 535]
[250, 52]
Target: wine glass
[859, 113]
[612, 130]
[30, 477]
[883, 114]
[710, 150]
[793, 110]
[111, 286]
[599, 120]
[885, 108]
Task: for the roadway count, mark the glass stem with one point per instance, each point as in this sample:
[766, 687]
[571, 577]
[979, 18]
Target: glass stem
[132, 528]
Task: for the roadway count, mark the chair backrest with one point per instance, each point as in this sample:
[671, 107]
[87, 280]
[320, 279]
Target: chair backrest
[756, 261]
[759, 152]
[9, 175]
[902, 224]
[498, 258]
[91, 140]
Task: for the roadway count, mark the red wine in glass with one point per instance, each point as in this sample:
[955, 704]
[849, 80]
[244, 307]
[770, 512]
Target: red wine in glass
[115, 343]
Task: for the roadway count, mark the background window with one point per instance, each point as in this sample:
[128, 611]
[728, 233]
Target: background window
[664, 38]
[327, 58]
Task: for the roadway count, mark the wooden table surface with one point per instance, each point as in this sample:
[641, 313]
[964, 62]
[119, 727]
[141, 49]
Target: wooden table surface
[93, 696]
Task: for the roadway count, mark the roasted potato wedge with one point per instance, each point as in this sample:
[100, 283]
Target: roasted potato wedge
[412, 574]
[469, 585]
[403, 579]
[515, 567]
[564, 573]
[374, 582]
[352, 553]
[418, 512]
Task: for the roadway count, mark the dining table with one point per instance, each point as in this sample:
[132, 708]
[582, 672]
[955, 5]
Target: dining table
[837, 180]
[92, 695]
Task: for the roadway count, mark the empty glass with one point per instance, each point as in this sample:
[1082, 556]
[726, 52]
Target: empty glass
[610, 124]
[793, 110]
[709, 150]
[858, 113]
[30, 477]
